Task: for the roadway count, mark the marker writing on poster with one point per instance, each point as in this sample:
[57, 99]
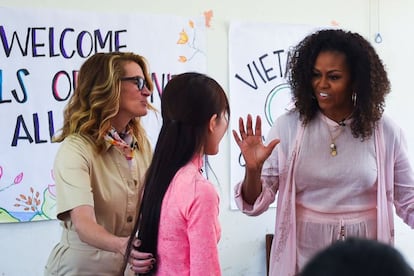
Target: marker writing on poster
[36, 42]
[265, 68]
[63, 85]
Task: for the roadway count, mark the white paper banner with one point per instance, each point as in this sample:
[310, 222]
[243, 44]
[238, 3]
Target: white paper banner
[40, 54]
[258, 54]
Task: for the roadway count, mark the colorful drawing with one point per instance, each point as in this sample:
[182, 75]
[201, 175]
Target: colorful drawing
[207, 17]
[30, 206]
[37, 86]
[278, 101]
[188, 37]
[6, 216]
[16, 180]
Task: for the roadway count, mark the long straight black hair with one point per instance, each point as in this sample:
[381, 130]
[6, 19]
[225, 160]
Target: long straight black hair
[188, 102]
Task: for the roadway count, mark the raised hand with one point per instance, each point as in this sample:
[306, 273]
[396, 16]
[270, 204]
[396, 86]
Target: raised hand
[251, 144]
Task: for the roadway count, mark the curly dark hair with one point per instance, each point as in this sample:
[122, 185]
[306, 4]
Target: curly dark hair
[368, 76]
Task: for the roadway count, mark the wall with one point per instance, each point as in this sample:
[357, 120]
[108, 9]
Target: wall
[242, 247]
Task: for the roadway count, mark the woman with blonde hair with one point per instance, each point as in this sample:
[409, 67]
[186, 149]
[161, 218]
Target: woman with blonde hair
[100, 165]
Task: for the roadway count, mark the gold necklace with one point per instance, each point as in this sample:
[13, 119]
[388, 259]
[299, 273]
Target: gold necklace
[332, 145]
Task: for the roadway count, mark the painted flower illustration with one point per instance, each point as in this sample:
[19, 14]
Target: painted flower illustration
[16, 180]
[188, 37]
[183, 39]
[29, 202]
[52, 187]
[207, 17]
[182, 59]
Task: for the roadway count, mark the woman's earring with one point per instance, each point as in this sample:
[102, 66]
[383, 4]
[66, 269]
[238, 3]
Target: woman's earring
[354, 98]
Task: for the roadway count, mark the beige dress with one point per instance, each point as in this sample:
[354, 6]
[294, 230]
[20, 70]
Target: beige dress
[105, 181]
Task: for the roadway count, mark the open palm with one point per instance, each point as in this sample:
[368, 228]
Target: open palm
[251, 144]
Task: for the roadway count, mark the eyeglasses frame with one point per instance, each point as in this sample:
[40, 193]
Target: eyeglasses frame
[140, 81]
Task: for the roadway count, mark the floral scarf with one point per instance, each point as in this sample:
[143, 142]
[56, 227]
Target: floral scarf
[124, 142]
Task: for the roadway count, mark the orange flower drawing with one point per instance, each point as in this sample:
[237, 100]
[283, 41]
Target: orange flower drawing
[183, 38]
[207, 17]
[191, 24]
[30, 202]
[188, 38]
[182, 59]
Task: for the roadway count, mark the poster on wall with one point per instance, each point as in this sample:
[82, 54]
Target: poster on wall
[41, 52]
[258, 54]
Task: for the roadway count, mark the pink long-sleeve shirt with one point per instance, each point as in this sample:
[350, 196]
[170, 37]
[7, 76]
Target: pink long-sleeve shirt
[189, 227]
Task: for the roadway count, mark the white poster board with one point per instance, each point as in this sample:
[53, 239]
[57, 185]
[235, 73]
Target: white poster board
[40, 54]
[258, 54]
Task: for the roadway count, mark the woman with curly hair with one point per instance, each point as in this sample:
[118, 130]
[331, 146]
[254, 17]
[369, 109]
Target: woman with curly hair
[336, 161]
[100, 166]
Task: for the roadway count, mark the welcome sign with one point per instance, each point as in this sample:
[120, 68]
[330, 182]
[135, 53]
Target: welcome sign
[41, 52]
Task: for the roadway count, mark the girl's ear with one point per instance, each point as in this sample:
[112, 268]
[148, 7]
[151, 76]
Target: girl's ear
[212, 123]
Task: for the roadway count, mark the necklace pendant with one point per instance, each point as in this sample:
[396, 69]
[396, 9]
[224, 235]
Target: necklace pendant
[334, 152]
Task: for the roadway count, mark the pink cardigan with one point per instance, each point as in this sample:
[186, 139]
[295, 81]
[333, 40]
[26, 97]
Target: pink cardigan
[395, 187]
